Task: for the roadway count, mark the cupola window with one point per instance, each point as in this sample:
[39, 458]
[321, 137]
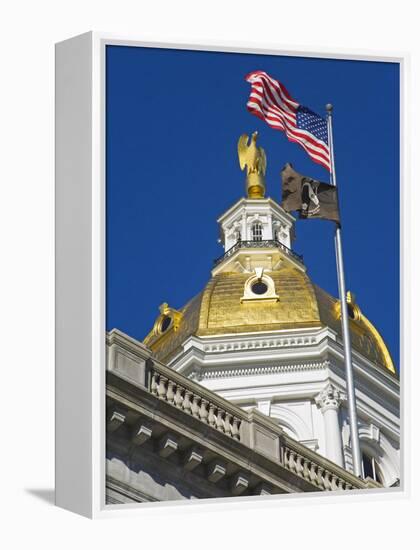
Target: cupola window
[256, 231]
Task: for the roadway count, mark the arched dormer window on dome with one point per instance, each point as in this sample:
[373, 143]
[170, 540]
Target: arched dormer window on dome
[256, 231]
[259, 287]
[371, 468]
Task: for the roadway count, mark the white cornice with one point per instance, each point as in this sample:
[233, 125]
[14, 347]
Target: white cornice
[365, 368]
[260, 370]
[261, 254]
[266, 355]
[245, 349]
[282, 333]
[243, 203]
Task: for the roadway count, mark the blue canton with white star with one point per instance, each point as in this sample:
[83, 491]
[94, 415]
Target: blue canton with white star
[313, 123]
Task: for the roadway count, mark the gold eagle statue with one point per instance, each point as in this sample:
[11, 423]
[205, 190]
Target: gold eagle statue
[251, 156]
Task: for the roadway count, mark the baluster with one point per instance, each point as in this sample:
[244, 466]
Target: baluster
[334, 480]
[170, 394]
[326, 480]
[186, 404]
[154, 384]
[162, 387]
[286, 457]
[319, 479]
[178, 399]
[299, 467]
[235, 428]
[194, 407]
[306, 473]
[219, 420]
[292, 463]
[312, 473]
[212, 417]
[203, 412]
[341, 484]
[227, 423]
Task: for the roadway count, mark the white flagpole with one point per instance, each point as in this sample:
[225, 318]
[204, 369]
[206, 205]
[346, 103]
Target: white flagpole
[351, 396]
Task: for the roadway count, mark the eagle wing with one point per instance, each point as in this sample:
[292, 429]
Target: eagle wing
[263, 160]
[243, 150]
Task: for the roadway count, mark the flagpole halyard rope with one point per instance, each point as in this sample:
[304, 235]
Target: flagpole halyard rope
[351, 395]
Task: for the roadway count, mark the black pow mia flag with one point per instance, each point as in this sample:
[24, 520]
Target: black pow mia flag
[311, 198]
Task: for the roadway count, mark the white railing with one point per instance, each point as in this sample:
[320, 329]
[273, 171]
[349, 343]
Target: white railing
[193, 403]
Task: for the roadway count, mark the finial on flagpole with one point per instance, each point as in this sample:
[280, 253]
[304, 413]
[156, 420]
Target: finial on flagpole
[329, 107]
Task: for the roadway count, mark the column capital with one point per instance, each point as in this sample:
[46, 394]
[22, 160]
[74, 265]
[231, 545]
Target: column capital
[329, 398]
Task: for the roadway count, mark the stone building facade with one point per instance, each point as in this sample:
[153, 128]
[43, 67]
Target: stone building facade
[170, 438]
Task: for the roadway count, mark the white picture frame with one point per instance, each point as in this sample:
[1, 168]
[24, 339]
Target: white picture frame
[80, 272]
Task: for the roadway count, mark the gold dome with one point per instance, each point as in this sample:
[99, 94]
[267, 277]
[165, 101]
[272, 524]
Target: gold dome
[220, 310]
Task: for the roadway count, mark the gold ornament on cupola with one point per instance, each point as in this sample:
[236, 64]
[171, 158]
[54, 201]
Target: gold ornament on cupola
[253, 159]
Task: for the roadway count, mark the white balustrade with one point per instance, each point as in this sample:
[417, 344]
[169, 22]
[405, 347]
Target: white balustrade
[192, 403]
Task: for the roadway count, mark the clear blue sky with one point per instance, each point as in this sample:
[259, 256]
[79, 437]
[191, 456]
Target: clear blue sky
[173, 120]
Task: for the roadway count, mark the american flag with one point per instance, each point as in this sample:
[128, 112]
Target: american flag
[270, 101]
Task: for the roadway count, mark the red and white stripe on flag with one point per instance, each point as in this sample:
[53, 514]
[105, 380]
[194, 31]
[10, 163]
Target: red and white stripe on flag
[270, 101]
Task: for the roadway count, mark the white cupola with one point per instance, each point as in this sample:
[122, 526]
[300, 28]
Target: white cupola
[257, 220]
[256, 232]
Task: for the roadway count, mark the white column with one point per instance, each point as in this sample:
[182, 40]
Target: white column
[287, 238]
[329, 401]
[244, 233]
[270, 232]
